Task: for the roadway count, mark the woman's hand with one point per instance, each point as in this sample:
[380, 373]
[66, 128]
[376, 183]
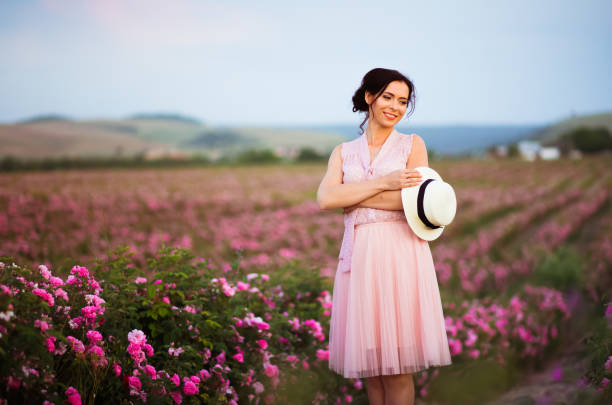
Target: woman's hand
[402, 178]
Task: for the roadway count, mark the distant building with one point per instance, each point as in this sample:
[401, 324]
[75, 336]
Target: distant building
[529, 150]
[165, 153]
[549, 153]
[286, 151]
[501, 150]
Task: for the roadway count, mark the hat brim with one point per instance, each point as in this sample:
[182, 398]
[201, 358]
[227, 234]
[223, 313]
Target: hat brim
[409, 203]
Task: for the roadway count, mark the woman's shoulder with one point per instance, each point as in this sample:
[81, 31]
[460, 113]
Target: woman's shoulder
[412, 139]
[349, 147]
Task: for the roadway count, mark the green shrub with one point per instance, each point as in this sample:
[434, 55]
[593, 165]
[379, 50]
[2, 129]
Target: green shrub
[561, 270]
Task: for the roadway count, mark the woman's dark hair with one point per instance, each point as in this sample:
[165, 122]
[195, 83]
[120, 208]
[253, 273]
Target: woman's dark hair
[375, 82]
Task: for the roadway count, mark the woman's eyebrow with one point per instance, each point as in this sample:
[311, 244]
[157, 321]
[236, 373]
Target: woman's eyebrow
[394, 95]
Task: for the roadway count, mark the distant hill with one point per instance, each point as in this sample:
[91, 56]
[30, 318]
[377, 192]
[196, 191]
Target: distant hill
[64, 138]
[552, 133]
[46, 118]
[165, 117]
[220, 138]
[55, 136]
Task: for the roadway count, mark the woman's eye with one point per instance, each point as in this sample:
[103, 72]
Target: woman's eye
[386, 97]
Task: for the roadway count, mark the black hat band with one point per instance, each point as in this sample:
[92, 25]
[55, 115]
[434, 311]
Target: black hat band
[420, 209]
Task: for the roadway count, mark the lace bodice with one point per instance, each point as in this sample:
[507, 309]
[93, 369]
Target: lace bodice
[356, 166]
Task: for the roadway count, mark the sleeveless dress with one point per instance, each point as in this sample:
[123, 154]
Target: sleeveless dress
[386, 313]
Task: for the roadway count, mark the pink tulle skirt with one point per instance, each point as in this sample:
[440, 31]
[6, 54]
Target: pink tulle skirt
[386, 312]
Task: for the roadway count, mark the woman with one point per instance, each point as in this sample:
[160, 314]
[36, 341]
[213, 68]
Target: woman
[387, 321]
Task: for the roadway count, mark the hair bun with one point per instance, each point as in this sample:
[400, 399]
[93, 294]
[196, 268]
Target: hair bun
[359, 103]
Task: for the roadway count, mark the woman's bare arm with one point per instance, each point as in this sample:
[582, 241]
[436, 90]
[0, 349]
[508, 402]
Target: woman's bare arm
[392, 199]
[332, 193]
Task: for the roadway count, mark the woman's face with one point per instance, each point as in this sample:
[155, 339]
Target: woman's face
[391, 105]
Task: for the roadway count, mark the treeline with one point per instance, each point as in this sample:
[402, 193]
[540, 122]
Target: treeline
[586, 140]
[247, 157]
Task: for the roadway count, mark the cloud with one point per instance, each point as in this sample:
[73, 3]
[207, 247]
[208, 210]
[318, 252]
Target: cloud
[154, 23]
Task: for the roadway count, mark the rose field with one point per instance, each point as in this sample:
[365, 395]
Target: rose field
[214, 285]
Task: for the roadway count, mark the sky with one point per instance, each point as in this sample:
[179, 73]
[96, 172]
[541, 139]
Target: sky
[520, 62]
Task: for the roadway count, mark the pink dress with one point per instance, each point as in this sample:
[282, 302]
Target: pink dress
[386, 309]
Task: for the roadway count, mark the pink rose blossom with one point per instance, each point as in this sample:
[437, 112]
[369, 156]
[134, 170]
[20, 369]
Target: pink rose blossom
[77, 345]
[73, 396]
[59, 293]
[322, 354]
[137, 337]
[189, 388]
[44, 295]
[44, 271]
[176, 379]
[43, 325]
[609, 363]
[134, 382]
[271, 370]
[50, 342]
[148, 349]
[176, 397]
[80, 271]
[94, 336]
[56, 281]
[150, 370]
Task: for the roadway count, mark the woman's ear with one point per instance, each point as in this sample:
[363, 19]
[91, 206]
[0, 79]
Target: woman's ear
[368, 97]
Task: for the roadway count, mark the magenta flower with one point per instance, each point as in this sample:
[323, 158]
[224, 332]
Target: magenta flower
[44, 295]
[262, 343]
[221, 357]
[240, 286]
[176, 397]
[43, 325]
[134, 382]
[97, 350]
[59, 293]
[44, 271]
[176, 379]
[148, 349]
[189, 388]
[117, 369]
[50, 342]
[56, 281]
[80, 271]
[609, 363]
[150, 370]
[94, 336]
[322, 354]
[77, 345]
[271, 370]
[73, 396]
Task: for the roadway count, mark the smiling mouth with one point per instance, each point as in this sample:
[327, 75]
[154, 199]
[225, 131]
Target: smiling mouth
[390, 116]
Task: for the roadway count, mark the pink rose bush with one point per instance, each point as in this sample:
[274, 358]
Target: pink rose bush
[198, 332]
[191, 331]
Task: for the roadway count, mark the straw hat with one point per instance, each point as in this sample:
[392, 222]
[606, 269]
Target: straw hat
[430, 206]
